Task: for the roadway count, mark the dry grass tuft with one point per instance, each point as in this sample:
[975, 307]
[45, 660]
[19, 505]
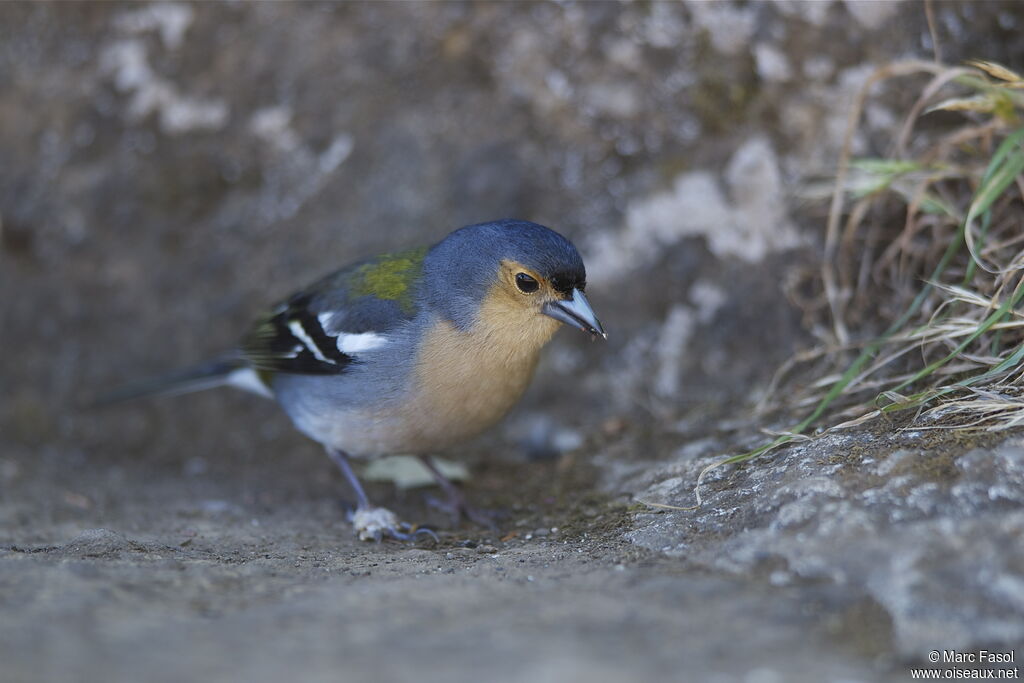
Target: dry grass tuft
[927, 244]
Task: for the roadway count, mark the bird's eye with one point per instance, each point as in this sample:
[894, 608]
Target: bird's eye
[526, 284]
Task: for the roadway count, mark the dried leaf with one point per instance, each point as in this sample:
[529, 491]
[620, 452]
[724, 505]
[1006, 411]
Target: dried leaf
[982, 103]
[996, 70]
[896, 399]
[407, 472]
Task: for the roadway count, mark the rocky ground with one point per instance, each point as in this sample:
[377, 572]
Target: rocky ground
[169, 169]
[845, 559]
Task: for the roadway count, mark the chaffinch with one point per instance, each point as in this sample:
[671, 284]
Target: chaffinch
[410, 352]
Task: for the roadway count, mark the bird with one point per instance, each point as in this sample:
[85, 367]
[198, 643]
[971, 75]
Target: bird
[410, 352]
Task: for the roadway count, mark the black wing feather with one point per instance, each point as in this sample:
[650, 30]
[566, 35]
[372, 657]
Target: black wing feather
[301, 335]
[292, 340]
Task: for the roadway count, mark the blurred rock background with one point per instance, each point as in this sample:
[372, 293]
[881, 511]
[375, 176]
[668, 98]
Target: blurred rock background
[168, 169]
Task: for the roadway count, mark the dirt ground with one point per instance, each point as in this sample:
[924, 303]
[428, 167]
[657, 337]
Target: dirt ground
[128, 572]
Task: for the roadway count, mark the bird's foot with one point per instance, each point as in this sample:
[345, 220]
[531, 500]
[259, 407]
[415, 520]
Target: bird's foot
[376, 524]
[455, 503]
[458, 509]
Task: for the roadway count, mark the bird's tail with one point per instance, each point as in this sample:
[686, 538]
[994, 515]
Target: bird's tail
[214, 373]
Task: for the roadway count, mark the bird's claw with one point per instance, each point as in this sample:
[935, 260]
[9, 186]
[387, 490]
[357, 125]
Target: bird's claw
[376, 524]
[408, 532]
[458, 509]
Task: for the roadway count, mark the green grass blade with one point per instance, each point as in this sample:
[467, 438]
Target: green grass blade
[992, 374]
[1006, 164]
[993, 187]
[991, 320]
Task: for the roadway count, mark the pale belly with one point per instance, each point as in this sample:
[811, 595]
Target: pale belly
[427, 422]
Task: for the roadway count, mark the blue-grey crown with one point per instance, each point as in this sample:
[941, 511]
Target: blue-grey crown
[459, 270]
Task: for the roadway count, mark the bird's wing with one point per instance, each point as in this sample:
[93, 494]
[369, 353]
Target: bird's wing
[322, 329]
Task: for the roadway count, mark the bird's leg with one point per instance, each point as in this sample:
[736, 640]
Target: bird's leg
[371, 522]
[456, 504]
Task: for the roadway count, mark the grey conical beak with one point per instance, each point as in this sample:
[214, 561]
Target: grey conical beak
[576, 312]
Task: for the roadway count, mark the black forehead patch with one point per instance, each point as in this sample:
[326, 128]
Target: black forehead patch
[564, 282]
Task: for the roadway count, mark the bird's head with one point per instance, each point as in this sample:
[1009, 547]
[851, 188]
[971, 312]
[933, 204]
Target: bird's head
[509, 276]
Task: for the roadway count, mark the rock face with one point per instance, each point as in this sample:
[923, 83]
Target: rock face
[172, 168]
[924, 531]
[168, 169]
